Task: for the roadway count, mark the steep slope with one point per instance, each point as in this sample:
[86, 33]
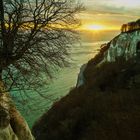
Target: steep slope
[106, 106]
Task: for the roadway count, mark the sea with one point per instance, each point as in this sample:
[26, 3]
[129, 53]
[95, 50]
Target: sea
[34, 105]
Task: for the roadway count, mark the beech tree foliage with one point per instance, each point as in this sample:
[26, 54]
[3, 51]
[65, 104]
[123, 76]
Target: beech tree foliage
[35, 38]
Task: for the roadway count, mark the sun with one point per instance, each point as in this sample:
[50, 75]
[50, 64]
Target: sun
[95, 27]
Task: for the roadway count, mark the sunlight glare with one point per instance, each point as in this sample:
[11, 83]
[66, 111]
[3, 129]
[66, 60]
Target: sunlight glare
[95, 27]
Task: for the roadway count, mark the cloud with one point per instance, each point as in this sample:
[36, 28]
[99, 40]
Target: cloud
[119, 3]
[113, 6]
[111, 11]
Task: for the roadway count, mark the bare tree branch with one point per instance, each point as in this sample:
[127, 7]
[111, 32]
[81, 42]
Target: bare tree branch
[35, 39]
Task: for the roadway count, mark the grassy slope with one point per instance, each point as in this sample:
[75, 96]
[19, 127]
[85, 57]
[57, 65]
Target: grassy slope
[107, 107]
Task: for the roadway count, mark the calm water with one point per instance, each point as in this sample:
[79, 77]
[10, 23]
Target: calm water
[64, 80]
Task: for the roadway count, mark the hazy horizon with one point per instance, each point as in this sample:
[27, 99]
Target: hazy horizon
[94, 36]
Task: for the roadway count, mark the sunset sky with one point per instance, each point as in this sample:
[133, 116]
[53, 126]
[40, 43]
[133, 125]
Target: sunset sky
[109, 14]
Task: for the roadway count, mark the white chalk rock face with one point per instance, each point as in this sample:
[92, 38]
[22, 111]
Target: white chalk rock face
[125, 44]
[81, 79]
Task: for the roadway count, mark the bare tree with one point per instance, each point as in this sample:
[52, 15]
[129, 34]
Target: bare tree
[35, 38]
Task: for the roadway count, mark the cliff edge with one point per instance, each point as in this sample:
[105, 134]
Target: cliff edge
[105, 104]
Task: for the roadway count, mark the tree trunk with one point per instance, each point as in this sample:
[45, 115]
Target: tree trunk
[12, 124]
[0, 74]
[2, 18]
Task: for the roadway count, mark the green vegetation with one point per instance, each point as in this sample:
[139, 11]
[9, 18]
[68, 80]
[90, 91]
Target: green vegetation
[106, 107]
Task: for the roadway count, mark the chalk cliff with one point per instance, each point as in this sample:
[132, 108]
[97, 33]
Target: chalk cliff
[105, 104]
[126, 45]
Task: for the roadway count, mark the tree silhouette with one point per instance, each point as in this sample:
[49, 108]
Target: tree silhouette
[124, 28]
[35, 38]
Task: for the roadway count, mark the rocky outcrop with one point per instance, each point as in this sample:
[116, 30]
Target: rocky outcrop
[126, 45]
[81, 79]
[12, 124]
